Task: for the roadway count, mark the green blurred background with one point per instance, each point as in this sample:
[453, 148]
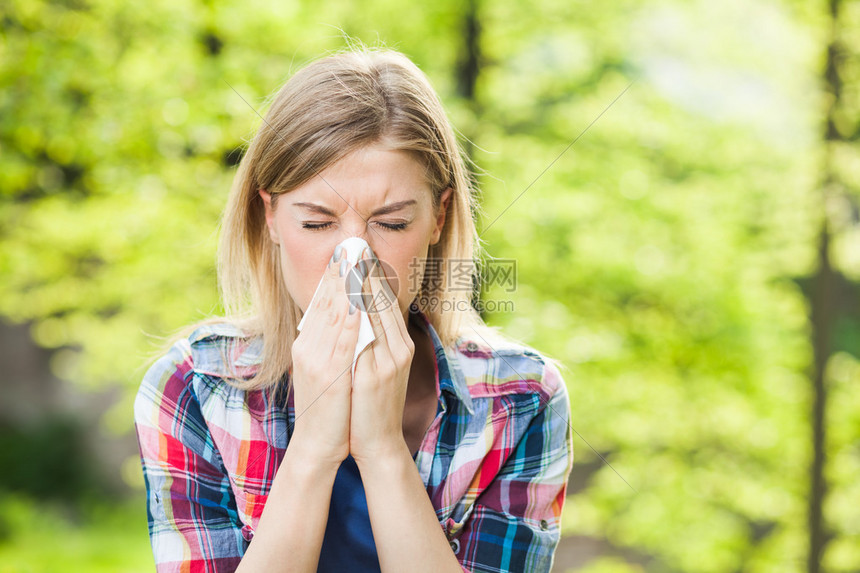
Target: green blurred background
[694, 258]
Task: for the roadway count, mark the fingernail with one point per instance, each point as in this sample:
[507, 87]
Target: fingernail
[338, 252]
[352, 308]
[362, 270]
[343, 265]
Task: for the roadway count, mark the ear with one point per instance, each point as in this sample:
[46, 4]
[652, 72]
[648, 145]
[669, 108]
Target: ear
[270, 214]
[444, 203]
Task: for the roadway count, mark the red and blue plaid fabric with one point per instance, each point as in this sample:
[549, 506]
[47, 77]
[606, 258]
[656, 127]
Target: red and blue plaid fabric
[495, 460]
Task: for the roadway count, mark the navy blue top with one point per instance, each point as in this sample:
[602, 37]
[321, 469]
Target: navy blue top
[348, 542]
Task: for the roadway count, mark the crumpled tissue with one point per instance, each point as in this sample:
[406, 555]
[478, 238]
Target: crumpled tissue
[352, 249]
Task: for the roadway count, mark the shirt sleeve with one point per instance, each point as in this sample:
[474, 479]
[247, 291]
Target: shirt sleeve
[515, 522]
[193, 521]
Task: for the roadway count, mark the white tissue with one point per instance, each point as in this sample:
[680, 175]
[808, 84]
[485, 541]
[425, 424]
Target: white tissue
[352, 249]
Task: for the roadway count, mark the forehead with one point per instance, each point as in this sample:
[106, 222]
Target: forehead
[367, 176]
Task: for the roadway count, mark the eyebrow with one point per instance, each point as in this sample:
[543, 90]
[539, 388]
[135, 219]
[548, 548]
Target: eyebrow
[390, 208]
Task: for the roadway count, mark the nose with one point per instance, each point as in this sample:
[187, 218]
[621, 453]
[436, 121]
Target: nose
[358, 228]
[354, 225]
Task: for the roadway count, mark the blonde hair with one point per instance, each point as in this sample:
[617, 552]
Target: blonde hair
[327, 110]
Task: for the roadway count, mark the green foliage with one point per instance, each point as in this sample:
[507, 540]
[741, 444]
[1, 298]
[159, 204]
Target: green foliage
[47, 460]
[39, 537]
[664, 257]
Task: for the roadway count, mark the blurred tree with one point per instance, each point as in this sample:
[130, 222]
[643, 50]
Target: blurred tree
[834, 298]
[665, 243]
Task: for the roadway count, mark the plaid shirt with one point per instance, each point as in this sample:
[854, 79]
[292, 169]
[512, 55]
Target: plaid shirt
[495, 460]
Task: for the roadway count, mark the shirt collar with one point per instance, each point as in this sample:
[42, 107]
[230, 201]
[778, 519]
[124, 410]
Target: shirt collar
[451, 378]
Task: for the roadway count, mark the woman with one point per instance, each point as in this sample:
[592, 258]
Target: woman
[445, 447]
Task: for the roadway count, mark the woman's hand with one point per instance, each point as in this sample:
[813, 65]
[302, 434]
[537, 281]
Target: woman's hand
[321, 376]
[381, 378]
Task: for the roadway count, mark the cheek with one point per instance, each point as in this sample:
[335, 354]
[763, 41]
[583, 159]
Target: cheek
[303, 262]
[408, 264]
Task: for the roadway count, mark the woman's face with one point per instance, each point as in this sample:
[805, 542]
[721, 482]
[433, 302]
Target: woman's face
[374, 193]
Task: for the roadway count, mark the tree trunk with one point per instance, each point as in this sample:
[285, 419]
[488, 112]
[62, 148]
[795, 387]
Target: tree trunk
[822, 326]
[468, 69]
[823, 311]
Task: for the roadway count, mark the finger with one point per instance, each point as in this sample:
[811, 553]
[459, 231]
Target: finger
[387, 307]
[346, 325]
[366, 360]
[384, 319]
[328, 309]
[380, 341]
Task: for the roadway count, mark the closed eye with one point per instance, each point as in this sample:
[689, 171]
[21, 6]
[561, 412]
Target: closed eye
[322, 226]
[316, 226]
[393, 226]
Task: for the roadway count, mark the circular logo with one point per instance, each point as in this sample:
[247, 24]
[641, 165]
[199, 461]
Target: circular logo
[358, 290]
